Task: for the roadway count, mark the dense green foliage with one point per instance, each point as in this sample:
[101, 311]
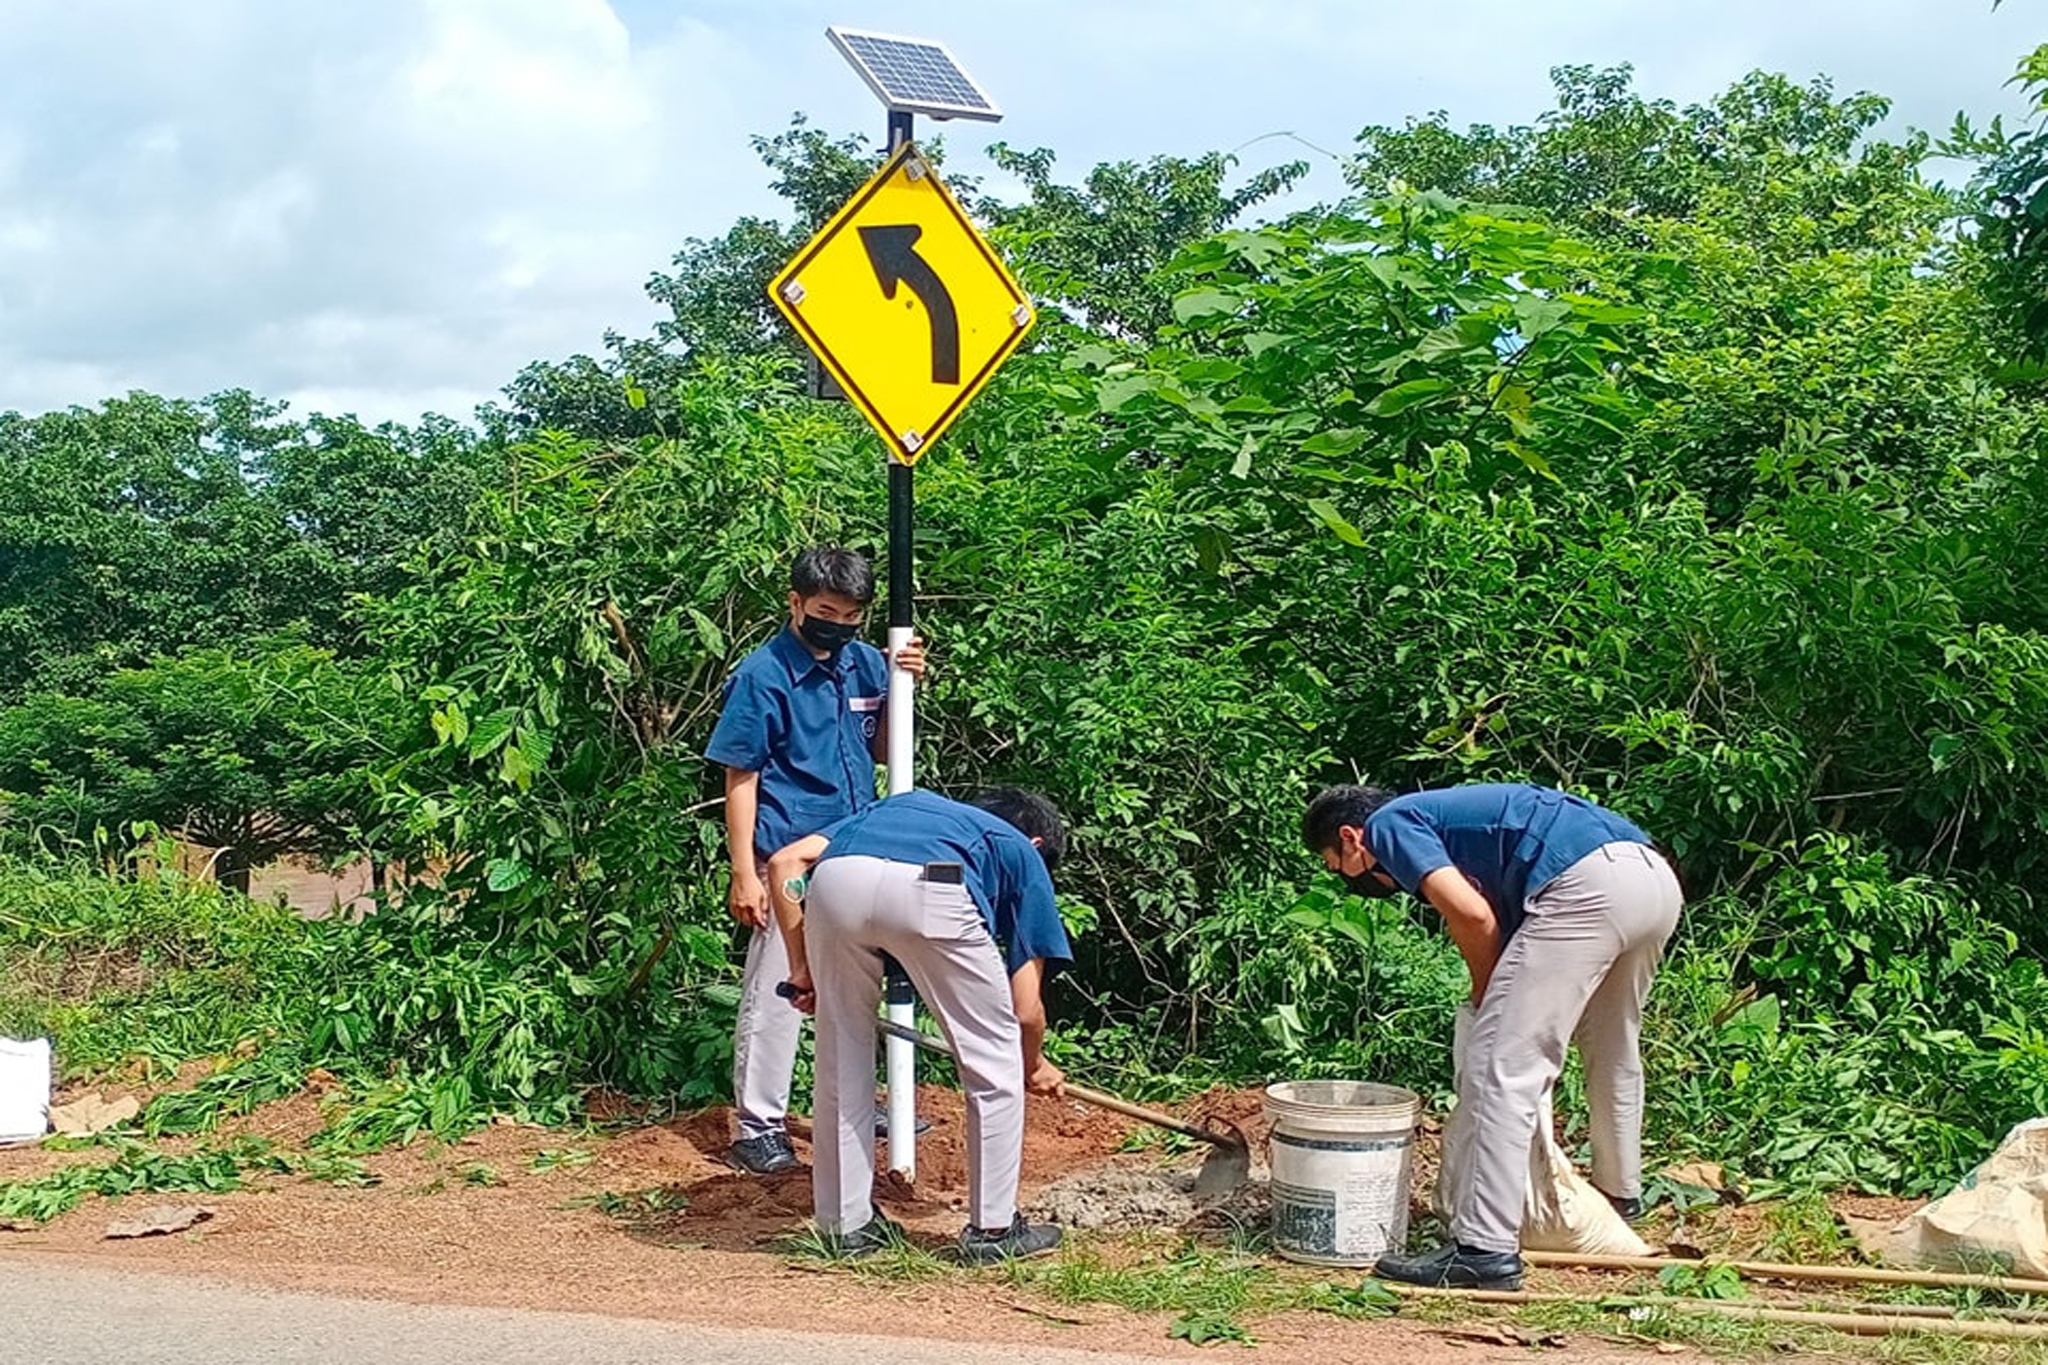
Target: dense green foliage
[149, 964]
[148, 526]
[261, 756]
[1678, 457]
[2010, 217]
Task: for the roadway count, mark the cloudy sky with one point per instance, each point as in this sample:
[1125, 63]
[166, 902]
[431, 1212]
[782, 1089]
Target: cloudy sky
[389, 206]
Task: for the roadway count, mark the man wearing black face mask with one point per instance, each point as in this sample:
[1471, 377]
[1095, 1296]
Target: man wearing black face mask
[803, 726]
[1561, 910]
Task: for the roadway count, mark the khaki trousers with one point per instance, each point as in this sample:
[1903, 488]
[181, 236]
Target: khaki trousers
[857, 909]
[1577, 970]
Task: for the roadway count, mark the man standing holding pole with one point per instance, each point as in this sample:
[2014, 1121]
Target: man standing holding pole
[801, 730]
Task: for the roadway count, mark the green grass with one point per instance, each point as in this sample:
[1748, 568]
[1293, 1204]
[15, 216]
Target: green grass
[1218, 1293]
[1192, 1277]
[901, 1260]
[151, 966]
[1801, 1229]
[633, 1206]
[337, 1170]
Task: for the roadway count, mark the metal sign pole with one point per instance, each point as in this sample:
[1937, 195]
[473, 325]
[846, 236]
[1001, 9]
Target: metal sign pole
[901, 1056]
[902, 300]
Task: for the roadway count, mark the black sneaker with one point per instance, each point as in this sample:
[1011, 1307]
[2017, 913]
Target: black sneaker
[1014, 1243]
[877, 1233]
[1455, 1266]
[1630, 1209]
[768, 1154]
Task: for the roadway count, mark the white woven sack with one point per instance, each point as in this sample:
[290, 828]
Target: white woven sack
[24, 1088]
[1996, 1220]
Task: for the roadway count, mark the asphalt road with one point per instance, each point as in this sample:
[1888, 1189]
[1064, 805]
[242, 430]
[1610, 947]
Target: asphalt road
[63, 1315]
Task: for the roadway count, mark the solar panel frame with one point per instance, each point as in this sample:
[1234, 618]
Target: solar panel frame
[914, 75]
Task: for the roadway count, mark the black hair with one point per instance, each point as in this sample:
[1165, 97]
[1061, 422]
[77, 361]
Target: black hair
[835, 569]
[1032, 814]
[1336, 808]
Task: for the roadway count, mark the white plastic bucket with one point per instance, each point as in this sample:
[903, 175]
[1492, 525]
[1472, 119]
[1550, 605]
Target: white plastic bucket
[1342, 1163]
[24, 1088]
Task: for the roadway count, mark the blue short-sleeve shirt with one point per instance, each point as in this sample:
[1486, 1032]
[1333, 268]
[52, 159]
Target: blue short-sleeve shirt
[1510, 838]
[805, 724]
[1001, 868]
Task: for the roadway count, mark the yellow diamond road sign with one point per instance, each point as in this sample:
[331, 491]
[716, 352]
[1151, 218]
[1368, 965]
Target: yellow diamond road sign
[905, 303]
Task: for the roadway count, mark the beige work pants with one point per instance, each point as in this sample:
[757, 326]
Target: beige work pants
[857, 909]
[1577, 970]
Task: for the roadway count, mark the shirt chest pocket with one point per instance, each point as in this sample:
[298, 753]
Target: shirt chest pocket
[864, 713]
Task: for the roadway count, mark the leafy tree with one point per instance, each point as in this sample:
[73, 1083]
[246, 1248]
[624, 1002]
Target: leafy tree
[361, 501]
[132, 530]
[1094, 249]
[560, 668]
[2009, 203]
[626, 396]
[1766, 157]
[260, 754]
[717, 291]
[1097, 248]
[148, 526]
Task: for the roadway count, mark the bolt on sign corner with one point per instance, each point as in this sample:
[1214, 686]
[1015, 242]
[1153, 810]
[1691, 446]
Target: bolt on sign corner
[905, 302]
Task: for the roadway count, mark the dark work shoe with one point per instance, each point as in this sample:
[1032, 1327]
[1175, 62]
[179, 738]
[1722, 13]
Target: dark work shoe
[982, 1247]
[1630, 1209]
[768, 1154]
[870, 1237]
[1455, 1266]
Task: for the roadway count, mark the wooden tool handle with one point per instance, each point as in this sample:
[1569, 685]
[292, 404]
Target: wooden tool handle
[1081, 1092]
[1152, 1116]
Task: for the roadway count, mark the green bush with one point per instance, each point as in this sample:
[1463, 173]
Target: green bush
[146, 964]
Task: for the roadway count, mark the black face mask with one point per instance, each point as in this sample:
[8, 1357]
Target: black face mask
[1368, 885]
[830, 636]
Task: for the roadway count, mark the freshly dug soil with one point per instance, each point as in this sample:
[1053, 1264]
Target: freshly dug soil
[730, 1209]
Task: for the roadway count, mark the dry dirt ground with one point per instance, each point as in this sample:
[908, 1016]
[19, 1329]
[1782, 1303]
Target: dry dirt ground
[713, 1246]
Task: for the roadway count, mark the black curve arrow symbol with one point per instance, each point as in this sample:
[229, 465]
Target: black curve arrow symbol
[893, 253]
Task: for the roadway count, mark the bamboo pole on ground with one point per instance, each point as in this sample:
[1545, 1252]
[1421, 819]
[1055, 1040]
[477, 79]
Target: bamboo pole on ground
[1773, 1270]
[1865, 1306]
[1854, 1323]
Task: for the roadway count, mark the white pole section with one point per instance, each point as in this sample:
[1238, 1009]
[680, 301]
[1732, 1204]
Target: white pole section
[901, 1057]
[902, 717]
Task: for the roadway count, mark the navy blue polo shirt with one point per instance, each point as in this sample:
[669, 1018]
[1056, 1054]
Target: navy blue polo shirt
[1001, 868]
[805, 725]
[1510, 838]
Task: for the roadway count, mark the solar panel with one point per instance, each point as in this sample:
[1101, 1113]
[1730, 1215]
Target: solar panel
[914, 75]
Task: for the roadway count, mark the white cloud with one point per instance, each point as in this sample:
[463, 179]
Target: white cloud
[390, 205]
[414, 201]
